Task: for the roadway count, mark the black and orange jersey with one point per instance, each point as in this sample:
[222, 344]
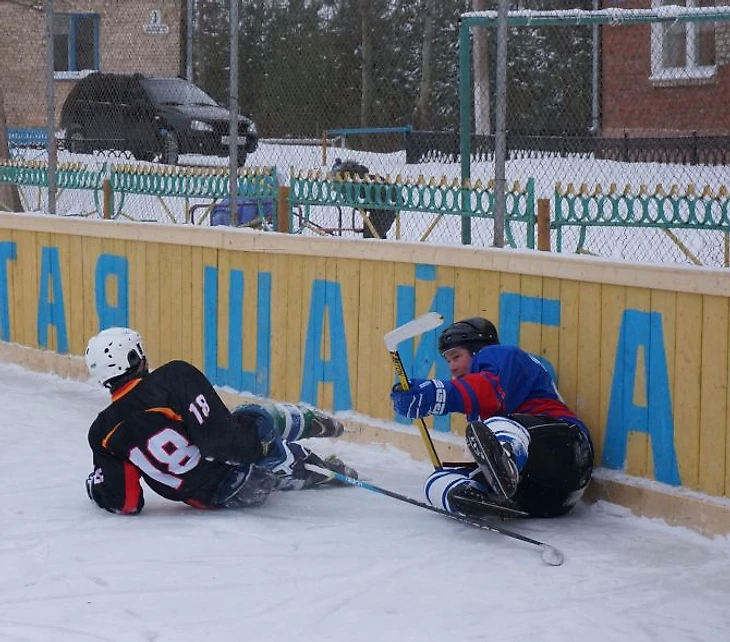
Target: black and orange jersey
[171, 428]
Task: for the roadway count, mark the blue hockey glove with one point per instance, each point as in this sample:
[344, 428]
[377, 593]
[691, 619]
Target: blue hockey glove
[424, 397]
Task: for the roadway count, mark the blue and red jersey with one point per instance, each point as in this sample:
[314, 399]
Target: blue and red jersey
[503, 380]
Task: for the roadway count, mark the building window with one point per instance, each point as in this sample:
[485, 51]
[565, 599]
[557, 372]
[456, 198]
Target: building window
[75, 43]
[683, 50]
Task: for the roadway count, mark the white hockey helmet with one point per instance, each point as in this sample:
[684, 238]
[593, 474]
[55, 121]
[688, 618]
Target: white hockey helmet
[113, 353]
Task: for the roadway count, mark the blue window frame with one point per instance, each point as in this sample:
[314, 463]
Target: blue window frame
[76, 42]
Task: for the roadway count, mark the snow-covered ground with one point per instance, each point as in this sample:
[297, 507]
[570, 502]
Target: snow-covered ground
[638, 244]
[339, 565]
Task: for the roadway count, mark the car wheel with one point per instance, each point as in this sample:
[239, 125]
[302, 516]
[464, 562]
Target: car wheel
[76, 142]
[170, 148]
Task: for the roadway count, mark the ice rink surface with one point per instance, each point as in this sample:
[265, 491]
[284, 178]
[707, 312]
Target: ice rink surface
[324, 565]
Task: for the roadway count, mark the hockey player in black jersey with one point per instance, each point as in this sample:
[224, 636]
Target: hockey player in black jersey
[169, 427]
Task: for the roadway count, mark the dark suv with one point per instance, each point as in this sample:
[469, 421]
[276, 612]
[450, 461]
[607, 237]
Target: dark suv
[153, 118]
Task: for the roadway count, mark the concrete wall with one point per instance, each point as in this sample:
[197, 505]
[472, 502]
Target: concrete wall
[640, 352]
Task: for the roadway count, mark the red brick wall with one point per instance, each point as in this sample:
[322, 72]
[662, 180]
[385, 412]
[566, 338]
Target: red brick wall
[631, 102]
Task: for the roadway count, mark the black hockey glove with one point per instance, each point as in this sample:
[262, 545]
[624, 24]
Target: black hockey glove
[95, 477]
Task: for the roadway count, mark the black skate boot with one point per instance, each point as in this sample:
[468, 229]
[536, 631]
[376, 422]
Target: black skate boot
[475, 502]
[321, 425]
[494, 460]
[293, 472]
[333, 463]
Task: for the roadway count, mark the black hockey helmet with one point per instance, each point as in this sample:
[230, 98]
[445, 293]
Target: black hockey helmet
[349, 166]
[473, 334]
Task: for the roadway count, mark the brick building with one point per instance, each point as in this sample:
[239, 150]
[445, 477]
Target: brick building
[670, 79]
[107, 35]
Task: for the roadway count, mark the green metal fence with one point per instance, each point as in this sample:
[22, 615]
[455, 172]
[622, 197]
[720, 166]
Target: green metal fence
[197, 187]
[448, 203]
[663, 209]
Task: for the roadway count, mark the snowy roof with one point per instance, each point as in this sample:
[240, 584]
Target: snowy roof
[666, 13]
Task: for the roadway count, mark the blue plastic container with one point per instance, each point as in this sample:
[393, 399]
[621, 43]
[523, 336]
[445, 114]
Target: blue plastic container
[248, 210]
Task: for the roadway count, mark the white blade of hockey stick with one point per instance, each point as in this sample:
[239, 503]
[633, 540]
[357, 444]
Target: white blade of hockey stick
[414, 328]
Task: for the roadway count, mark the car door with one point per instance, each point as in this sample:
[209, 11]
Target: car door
[138, 120]
[106, 121]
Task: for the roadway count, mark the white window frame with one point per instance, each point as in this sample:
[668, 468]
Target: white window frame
[690, 71]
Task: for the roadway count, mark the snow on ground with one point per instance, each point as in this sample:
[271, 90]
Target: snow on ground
[339, 565]
[636, 244]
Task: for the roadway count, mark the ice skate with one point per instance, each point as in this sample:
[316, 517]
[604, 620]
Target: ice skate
[475, 502]
[333, 463]
[494, 460]
[322, 425]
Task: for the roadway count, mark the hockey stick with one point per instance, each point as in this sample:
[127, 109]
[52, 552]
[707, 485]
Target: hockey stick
[550, 555]
[419, 325]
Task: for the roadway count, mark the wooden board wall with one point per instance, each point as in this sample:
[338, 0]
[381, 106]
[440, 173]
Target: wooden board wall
[640, 352]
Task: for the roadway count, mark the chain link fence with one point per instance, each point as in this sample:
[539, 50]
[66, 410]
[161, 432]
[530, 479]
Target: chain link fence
[620, 106]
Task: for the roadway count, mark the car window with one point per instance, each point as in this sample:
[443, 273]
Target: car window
[130, 91]
[103, 88]
[175, 91]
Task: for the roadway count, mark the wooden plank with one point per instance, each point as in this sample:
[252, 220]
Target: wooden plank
[202, 258]
[70, 248]
[368, 345]
[271, 263]
[686, 389]
[531, 333]
[150, 322]
[713, 400]
[509, 283]
[613, 306]
[382, 320]
[184, 348]
[348, 276]
[664, 305]
[315, 270]
[550, 342]
[295, 329]
[43, 242]
[223, 310]
[489, 290]
[29, 263]
[281, 308]
[91, 250]
[136, 255]
[587, 405]
[248, 263]
[15, 300]
[567, 365]
[170, 306]
[467, 300]
[638, 450]
[326, 393]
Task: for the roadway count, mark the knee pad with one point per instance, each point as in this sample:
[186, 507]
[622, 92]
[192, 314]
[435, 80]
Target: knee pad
[441, 483]
[513, 434]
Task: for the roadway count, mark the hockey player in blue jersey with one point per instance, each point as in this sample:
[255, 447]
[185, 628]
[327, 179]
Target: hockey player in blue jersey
[531, 451]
